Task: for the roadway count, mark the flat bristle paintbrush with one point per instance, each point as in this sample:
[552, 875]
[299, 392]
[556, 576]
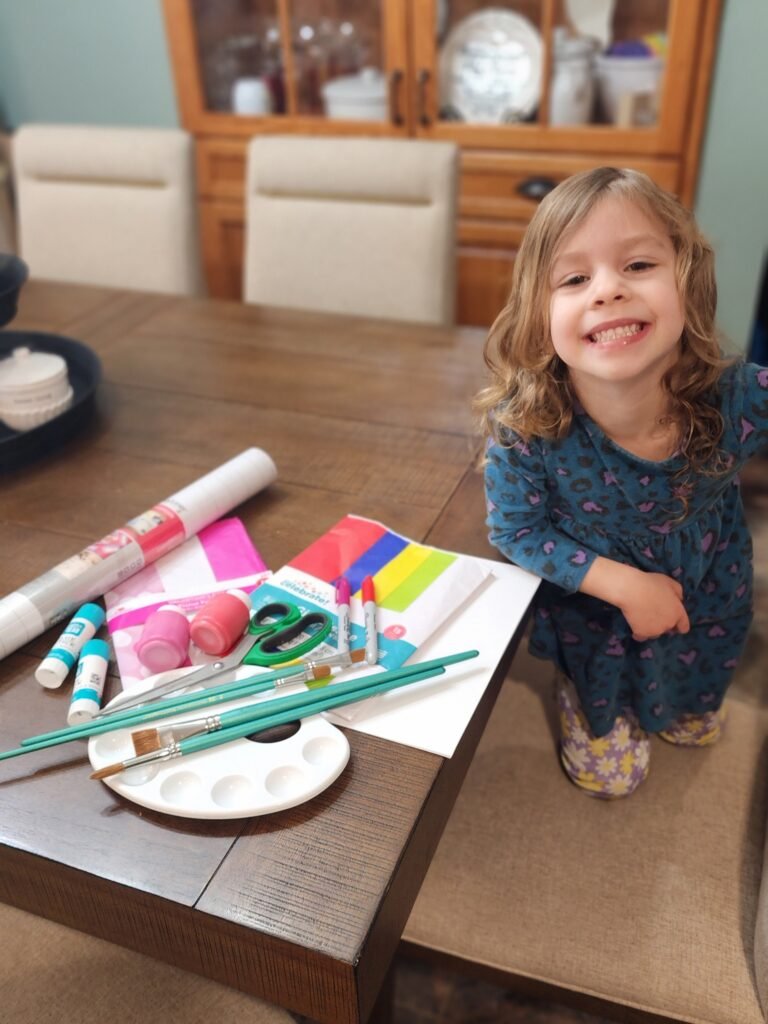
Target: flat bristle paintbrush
[147, 740]
[337, 696]
[204, 741]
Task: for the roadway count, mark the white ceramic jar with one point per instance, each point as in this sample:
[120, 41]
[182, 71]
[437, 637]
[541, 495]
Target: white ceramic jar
[34, 387]
[251, 97]
[573, 86]
[361, 97]
[618, 77]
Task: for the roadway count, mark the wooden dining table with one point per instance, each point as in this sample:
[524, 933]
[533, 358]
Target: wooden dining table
[303, 907]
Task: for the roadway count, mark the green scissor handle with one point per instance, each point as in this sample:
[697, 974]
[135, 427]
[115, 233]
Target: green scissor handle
[273, 646]
[280, 612]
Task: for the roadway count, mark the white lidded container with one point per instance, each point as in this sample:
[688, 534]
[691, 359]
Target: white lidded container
[360, 97]
[251, 96]
[573, 86]
[34, 387]
[622, 76]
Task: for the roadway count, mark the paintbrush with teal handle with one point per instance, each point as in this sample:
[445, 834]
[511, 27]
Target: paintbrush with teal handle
[190, 702]
[260, 683]
[164, 709]
[204, 741]
[147, 740]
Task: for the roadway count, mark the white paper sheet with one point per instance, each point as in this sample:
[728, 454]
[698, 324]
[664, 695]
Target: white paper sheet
[432, 715]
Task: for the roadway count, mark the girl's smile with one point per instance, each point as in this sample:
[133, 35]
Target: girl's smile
[615, 311]
[617, 331]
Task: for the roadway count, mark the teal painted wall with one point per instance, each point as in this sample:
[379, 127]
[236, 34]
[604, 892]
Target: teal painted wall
[86, 61]
[106, 62]
[732, 198]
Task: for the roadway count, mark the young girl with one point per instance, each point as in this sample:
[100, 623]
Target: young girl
[616, 429]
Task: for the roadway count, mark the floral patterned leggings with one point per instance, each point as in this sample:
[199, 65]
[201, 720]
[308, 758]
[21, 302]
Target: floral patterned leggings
[616, 764]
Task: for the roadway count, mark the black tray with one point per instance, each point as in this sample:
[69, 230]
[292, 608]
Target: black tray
[17, 448]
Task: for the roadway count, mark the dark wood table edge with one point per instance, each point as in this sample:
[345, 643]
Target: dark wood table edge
[372, 968]
[180, 936]
[204, 944]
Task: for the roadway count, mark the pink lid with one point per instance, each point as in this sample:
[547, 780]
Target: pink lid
[221, 622]
[164, 641]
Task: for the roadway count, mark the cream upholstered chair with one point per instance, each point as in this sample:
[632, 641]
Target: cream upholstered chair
[108, 206]
[49, 972]
[361, 226]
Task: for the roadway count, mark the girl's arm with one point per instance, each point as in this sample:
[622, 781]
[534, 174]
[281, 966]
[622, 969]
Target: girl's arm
[519, 519]
[521, 528]
[651, 602]
[744, 398]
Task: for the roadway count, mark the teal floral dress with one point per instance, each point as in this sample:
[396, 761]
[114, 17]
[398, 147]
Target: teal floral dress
[554, 506]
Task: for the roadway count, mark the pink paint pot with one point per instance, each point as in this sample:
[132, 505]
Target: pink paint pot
[220, 623]
[164, 641]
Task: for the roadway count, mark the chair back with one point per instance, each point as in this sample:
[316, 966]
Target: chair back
[108, 206]
[352, 225]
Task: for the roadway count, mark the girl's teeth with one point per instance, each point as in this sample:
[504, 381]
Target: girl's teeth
[616, 332]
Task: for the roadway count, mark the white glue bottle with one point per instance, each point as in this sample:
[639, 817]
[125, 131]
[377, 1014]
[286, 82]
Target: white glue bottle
[89, 682]
[53, 670]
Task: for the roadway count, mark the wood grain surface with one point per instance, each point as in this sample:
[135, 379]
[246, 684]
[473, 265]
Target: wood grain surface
[304, 907]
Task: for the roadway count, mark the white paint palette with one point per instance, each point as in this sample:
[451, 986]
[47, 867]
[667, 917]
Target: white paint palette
[240, 779]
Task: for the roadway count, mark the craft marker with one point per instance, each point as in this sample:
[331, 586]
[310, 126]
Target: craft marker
[369, 611]
[343, 597]
[54, 668]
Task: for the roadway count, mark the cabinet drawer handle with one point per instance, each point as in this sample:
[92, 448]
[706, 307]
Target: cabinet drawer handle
[423, 79]
[536, 188]
[395, 80]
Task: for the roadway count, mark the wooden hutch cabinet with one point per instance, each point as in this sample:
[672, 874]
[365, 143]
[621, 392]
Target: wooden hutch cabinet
[531, 91]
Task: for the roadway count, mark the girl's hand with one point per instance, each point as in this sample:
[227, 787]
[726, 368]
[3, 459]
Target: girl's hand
[654, 605]
[651, 602]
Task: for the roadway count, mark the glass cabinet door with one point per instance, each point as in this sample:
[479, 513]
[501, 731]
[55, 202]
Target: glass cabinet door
[339, 64]
[489, 61]
[546, 63]
[336, 60]
[240, 56]
[607, 63]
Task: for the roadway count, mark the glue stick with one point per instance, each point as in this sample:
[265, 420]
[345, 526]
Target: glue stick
[54, 668]
[89, 682]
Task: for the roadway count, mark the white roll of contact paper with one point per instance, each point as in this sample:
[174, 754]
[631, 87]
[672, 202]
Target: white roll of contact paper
[36, 606]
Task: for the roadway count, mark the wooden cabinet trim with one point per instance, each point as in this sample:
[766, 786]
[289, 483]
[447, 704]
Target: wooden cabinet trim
[213, 158]
[481, 234]
[697, 116]
[495, 160]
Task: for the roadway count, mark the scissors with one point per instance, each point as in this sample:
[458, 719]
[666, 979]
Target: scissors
[206, 676]
[277, 625]
[287, 624]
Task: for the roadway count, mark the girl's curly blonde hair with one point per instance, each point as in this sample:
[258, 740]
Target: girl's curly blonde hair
[530, 393]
